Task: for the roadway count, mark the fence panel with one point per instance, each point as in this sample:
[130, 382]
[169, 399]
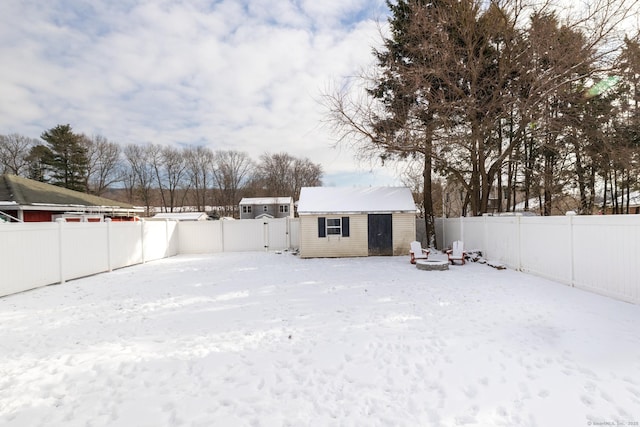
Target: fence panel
[160, 239]
[238, 236]
[125, 242]
[64, 251]
[200, 237]
[294, 233]
[474, 232]
[545, 247]
[28, 256]
[452, 231]
[595, 253]
[245, 235]
[502, 240]
[606, 252]
[278, 234]
[84, 249]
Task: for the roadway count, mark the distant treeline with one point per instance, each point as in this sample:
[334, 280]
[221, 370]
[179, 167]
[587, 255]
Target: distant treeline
[151, 174]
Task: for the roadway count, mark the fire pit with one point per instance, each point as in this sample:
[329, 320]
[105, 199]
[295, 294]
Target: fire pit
[432, 265]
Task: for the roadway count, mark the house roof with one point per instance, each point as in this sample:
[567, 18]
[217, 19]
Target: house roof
[20, 192]
[264, 216]
[319, 200]
[182, 216]
[266, 200]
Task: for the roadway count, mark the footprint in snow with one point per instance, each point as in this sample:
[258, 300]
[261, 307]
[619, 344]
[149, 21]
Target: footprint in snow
[586, 401]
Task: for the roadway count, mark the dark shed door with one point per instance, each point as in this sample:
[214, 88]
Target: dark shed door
[380, 234]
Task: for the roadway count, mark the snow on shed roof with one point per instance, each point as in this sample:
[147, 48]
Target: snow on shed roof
[353, 199]
[266, 200]
[182, 216]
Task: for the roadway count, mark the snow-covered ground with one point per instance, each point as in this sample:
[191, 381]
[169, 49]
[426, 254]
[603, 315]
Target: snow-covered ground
[264, 339]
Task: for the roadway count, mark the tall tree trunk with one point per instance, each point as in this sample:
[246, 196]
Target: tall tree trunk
[528, 171]
[548, 181]
[499, 175]
[582, 182]
[604, 196]
[474, 187]
[427, 196]
[592, 190]
[627, 184]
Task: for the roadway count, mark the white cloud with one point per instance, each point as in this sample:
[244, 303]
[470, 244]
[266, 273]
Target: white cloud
[242, 75]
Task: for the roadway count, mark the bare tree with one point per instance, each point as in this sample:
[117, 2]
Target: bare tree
[128, 180]
[231, 171]
[626, 147]
[169, 169]
[103, 169]
[141, 172]
[305, 173]
[281, 174]
[274, 173]
[473, 87]
[199, 163]
[14, 153]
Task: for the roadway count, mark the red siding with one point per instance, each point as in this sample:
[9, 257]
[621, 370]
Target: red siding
[37, 216]
[45, 216]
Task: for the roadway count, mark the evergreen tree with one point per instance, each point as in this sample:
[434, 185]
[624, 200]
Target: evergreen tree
[69, 160]
[39, 158]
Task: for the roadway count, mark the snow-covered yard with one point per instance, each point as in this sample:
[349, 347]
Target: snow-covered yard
[264, 339]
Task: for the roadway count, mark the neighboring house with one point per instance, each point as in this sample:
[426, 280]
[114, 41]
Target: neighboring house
[181, 216]
[26, 200]
[266, 207]
[349, 222]
[633, 201]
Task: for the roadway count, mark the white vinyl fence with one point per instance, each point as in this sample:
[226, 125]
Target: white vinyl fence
[44, 253]
[597, 253]
[238, 236]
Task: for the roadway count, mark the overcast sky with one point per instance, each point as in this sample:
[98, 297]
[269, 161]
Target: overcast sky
[233, 74]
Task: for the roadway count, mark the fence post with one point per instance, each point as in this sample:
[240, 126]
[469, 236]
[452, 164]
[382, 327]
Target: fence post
[108, 221]
[444, 233]
[485, 235]
[265, 235]
[167, 249]
[461, 229]
[570, 215]
[142, 222]
[222, 222]
[61, 222]
[519, 242]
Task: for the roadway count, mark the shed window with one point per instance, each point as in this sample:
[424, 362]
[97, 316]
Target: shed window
[333, 226]
[246, 209]
[284, 208]
[265, 208]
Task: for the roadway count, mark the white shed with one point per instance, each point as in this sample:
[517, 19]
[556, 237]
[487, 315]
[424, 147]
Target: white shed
[181, 216]
[350, 221]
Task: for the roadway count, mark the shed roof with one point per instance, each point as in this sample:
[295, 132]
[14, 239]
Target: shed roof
[266, 200]
[319, 200]
[16, 190]
[182, 216]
